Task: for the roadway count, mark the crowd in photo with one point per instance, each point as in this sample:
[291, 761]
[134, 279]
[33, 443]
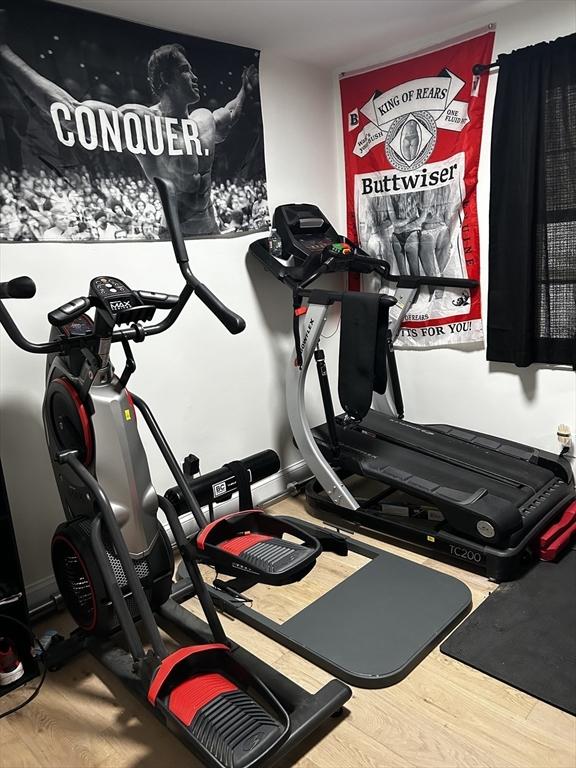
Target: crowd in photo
[42, 205]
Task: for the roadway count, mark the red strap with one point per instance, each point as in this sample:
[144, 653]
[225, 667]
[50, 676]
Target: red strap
[553, 541]
[84, 420]
[353, 281]
[201, 538]
[300, 311]
[168, 664]
[188, 698]
[241, 543]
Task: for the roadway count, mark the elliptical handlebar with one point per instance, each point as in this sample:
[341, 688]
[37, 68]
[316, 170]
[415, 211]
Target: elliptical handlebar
[24, 288]
[168, 199]
[229, 319]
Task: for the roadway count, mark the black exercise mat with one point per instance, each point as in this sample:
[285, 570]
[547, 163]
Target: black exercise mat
[524, 634]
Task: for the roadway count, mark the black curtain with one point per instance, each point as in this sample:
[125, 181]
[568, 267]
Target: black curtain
[532, 258]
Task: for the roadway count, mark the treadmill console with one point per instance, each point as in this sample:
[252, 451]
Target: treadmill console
[311, 247]
[304, 231]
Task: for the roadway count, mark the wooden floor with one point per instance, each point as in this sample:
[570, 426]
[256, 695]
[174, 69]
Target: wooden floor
[443, 715]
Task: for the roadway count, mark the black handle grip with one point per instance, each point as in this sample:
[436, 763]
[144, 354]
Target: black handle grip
[230, 320]
[413, 281]
[18, 288]
[70, 311]
[168, 199]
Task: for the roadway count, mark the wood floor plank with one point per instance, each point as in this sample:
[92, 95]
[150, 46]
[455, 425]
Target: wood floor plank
[554, 724]
[16, 753]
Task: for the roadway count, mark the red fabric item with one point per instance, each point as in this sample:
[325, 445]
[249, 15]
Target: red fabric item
[187, 699]
[412, 134]
[168, 664]
[8, 658]
[241, 543]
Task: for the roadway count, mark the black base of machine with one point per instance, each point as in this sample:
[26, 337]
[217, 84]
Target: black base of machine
[475, 500]
[429, 538]
[370, 630]
[307, 711]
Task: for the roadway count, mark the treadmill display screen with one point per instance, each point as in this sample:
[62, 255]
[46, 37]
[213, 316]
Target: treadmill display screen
[314, 244]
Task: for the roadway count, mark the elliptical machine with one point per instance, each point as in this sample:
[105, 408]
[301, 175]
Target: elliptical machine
[112, 559]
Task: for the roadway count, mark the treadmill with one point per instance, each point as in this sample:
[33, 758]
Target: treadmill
[474, 499]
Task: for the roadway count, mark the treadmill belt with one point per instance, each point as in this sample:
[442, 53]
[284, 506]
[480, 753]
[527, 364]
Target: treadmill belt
[367, 450]
[509, 461]
[524, 634]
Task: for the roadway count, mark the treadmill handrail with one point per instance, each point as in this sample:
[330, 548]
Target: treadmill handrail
[325, 296]
[414, 281]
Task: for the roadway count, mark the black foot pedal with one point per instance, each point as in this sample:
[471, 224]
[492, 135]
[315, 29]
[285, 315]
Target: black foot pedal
[265, 552]
[225, 720]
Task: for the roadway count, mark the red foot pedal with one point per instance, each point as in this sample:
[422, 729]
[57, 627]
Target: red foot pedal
[558, 536]
[241, 543]
[229, 726]
[188, 698]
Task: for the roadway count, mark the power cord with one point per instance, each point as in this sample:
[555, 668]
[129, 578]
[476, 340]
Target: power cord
[39, 657]
[334, 332]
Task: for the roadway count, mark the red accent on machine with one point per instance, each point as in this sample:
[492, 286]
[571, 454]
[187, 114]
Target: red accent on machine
[558, 536]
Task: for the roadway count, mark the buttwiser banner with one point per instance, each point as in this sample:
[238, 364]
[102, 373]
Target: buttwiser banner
[412, 134]
[92, 108]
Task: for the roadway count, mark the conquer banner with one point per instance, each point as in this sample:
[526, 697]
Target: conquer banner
[412, 135]
[92, 108]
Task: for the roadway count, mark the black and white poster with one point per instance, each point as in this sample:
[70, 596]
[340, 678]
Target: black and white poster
[92, 108]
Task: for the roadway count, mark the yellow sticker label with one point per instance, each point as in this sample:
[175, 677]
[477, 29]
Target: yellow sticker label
[127, 414]
[430, 538]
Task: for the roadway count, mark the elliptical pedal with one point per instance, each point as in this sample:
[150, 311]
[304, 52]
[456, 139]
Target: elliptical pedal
[230, 719]
[251, 542]
[265, 552]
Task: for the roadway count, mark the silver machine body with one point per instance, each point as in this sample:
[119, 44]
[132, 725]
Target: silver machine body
[311, 325]
[121, 468]
[119, 464]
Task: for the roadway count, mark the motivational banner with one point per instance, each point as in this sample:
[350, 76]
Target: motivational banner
[92, 108]
[412, 136]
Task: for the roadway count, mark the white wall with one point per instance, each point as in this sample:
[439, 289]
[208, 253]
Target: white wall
[218, 395]
[462, 387]
[223, 396]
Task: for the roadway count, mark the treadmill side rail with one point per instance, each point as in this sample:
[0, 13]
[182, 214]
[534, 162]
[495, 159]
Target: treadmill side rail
[311, 325]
